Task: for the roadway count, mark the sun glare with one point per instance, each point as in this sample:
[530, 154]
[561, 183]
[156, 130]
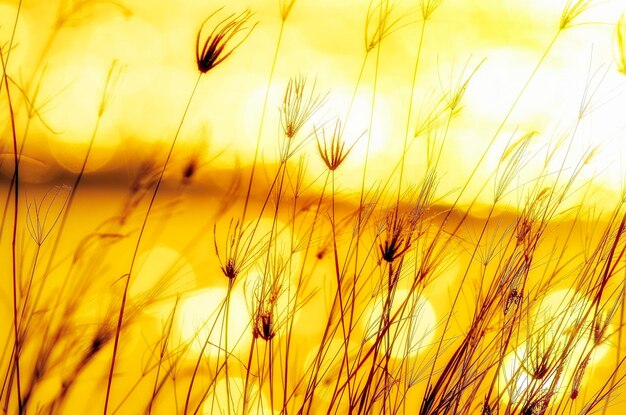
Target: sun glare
[200, 326]
[312, 206]
[413, 329]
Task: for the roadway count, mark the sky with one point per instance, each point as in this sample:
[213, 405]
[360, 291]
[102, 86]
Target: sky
[68, 47]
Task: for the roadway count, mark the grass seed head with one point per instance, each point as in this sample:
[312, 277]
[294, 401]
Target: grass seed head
[285, 7]
[379, 22]
[600, 327]
[573, 9]
[230, 269]
[398, 230]
[542, 356]
[227, 35]
[42, 217]
[486, 409]
[538, 405]
[194, 161]
[298, 106]
[578, 378]
[333, 151]
[428, 7]
[515, 298]
[147, 174]
[238, 253]
[264, 326]
[267, 291]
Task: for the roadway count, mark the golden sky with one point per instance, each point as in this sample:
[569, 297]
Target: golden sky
[554, 95]
[153, 42]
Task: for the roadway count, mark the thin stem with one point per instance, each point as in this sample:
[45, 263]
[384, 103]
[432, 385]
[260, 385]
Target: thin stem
[226, 352]
[138, 244]
[14, 234]
[410, 108]
[262, 121]
[248, 369]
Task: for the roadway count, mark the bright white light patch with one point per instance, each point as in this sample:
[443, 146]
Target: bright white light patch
[164, 272]
[199, 322]
[227, 397]
[412, 330]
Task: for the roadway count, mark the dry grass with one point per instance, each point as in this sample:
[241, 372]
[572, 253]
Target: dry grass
[360, 270]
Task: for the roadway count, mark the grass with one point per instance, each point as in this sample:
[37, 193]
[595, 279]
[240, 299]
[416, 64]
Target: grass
[332, 302]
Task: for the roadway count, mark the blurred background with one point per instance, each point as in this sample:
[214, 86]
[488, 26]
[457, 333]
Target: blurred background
[67, 48]
[139, 55]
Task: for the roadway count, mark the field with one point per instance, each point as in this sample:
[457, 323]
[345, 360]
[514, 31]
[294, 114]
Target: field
[303, 207]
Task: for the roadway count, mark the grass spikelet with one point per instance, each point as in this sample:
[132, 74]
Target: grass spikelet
[332, 150]
[454, 94]
[298, 106]
[428, 7]
[237, 254]
[195, 160]
[573, 9]
[222, 41]
[513, 159]
[43, 216]
[285, 7]
[380, 23]
[266, 293]
[578, 378]
[398, 232]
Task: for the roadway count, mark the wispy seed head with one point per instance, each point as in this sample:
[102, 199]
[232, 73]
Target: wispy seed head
[189, 169]
[486, 410]
[455, 93]
[398, 230]
[264, 326]
[100, 339]
[285, 8]
[600, 326]
[237, 253]
[112, 79]
[428, 7]
[222, 42]
[147, 174]
[379, 23]
[230, 269]
[42, 217]
[298, 106]
[194, 161]
[333, 151]
[537, 405]
[578, 378]
[267, 291]
[573, 9]
[515, 297]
